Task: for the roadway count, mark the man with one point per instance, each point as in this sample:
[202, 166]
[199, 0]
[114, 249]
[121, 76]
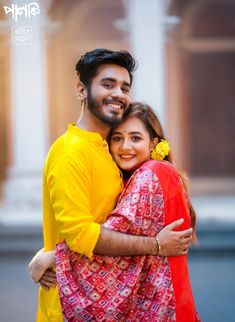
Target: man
[81, 181]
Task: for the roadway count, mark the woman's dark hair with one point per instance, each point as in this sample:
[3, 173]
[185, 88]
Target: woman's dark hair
[153, 125]
[89, 63]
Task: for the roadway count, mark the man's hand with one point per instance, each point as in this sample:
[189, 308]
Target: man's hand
[174, 243]
[40, 263]
[48, 279]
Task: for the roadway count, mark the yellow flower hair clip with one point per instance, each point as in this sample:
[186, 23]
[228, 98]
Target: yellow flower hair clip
[161, 150]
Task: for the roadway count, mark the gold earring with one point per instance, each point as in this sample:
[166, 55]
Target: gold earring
[82, 110]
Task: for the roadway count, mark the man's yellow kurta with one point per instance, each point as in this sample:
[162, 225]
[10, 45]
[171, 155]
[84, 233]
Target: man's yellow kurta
[81, 184]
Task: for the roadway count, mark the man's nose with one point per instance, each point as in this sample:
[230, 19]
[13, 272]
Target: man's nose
[118, 93]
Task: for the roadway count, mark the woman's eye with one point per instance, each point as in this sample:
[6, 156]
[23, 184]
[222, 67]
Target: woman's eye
[136, 138]
[116, 138]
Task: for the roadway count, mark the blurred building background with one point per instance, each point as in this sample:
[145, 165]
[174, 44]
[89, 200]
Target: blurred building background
[186, 55]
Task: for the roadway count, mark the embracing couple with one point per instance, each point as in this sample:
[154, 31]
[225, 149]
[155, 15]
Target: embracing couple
[117, 220]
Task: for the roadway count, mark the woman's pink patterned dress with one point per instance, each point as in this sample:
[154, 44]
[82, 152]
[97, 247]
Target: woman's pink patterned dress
[138, 288]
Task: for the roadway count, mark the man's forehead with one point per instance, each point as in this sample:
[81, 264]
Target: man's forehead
[113, 71]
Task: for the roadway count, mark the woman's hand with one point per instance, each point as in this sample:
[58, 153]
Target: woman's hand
[40, 263]
[48, 279]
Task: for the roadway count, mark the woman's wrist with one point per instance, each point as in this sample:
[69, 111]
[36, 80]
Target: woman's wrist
[158, 245]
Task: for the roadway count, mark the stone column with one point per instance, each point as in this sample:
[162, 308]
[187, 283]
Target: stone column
[146, 29]
[22, 201]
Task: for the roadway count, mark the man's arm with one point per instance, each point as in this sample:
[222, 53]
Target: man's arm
[112, 243]
[172, 243]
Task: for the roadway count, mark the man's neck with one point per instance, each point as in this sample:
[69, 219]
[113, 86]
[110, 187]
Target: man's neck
[90, 123]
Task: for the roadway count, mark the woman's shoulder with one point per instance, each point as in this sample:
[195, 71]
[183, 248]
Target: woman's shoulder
[144, 174]
[153, 170]
[165, 173]
[160, 166]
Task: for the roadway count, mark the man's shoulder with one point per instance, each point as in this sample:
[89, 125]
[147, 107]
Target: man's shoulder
[69, 143]
[67, 148]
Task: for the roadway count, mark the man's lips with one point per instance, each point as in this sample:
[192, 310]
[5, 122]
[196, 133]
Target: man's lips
[115, 104]
[115, 107]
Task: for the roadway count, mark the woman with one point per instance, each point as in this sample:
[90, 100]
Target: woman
[139, 288]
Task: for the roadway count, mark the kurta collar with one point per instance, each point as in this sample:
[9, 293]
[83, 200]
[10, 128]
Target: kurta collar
[90, 136]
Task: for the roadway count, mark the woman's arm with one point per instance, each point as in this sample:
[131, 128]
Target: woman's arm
[48, 279]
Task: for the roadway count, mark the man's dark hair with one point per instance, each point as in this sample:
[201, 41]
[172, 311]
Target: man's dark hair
[89, 63]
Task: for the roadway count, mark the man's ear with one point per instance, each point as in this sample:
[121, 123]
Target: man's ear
[82, 91]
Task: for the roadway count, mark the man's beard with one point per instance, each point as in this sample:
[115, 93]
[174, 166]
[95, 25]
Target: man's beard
[94, 107]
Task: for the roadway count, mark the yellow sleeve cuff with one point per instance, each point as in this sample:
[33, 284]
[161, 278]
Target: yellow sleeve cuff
[86, 242]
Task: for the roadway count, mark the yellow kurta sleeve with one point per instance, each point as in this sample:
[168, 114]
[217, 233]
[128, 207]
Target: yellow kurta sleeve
[69, 186]
[81, 184]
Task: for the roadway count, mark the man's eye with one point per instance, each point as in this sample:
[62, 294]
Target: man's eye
[107, 85]
[126, 90]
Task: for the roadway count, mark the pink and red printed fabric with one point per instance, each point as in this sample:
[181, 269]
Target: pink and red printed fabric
[138, 288]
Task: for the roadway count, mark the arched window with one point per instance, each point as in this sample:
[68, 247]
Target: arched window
[203, 49]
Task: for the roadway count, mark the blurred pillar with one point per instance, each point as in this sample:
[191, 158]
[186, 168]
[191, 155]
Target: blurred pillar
[28, 124]
[146, 29]
[4, 98]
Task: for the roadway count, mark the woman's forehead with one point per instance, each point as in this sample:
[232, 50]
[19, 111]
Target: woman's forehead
[132, 124]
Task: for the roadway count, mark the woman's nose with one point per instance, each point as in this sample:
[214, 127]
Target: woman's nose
[126, 144]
